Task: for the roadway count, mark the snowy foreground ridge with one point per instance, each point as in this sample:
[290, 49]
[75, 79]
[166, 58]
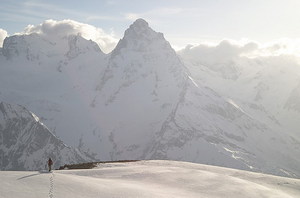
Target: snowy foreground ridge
[147, 179]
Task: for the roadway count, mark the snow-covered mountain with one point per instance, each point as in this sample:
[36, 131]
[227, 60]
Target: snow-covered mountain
[267, 87]
[55, 79]
[140, 87]
[139, 102]
[26, 143]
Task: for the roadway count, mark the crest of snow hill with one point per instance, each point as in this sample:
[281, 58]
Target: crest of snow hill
[138, 102]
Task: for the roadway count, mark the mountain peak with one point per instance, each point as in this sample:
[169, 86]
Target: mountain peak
[139, 29]
[140, 37]
[139, 23]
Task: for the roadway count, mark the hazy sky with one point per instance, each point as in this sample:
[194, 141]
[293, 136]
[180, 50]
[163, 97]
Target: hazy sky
[182, 22]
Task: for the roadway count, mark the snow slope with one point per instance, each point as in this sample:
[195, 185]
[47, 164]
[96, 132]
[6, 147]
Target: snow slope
[26, 143]
[267, 87]
[147, 179]
[218, 132]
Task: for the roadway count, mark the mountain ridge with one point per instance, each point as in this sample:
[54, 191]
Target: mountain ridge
[26, 143]
[143, 102]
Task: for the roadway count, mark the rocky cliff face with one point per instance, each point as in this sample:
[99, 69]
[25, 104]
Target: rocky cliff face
[26, 143]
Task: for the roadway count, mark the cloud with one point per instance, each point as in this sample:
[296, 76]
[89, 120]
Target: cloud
[281, 46]
[58, 29]
[222, 52]
[3, 34]
[248, 66]
[228, 50]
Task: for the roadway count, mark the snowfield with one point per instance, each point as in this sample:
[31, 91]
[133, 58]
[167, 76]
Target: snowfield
[147, 179]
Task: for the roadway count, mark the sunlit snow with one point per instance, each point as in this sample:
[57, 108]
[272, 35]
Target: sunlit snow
[147, 179]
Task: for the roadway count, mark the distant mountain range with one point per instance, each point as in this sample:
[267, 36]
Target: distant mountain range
[144, 101]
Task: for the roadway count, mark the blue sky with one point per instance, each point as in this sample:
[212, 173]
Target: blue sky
[182, 22]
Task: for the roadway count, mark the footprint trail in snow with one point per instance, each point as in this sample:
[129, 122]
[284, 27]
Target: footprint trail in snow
[51, 185]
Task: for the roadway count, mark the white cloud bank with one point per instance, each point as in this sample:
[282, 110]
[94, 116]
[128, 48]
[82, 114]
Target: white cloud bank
[228, 50]
[225, 49]
[3, 35]
[58, 29]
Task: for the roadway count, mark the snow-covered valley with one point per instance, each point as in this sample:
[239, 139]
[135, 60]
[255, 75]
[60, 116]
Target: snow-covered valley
[147, 179]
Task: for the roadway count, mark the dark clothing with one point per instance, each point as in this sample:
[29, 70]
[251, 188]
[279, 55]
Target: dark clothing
[50, 163]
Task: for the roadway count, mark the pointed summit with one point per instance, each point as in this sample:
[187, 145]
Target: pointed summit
[140, 30]
[141, 23]
[140, 37]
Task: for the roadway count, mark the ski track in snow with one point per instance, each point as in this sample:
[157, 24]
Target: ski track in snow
[51, 188]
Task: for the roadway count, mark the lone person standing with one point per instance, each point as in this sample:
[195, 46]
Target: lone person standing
[50, 163]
